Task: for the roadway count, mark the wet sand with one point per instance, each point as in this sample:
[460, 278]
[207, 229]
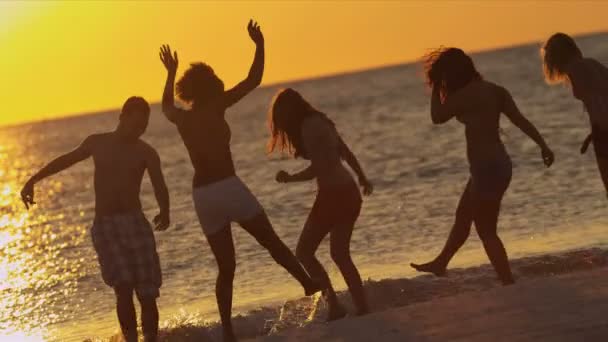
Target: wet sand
[558, 297]
[569, 307]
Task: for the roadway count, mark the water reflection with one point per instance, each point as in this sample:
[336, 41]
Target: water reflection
[21, 337]
[39, 263]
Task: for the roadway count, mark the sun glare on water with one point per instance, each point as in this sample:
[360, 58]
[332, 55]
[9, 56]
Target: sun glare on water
[21, 337]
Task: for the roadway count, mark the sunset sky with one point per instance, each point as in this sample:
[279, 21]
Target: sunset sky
[62, 58]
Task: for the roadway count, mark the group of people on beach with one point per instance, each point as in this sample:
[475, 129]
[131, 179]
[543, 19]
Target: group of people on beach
[123, 238]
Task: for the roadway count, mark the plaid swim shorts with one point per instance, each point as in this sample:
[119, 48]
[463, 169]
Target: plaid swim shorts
[126, 251]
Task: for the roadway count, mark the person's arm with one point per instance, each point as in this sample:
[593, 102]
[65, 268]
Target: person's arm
[314, 139]
[511, 110]
[349, 157]
[153, 165]
[302, 176]
[60, 163]
[254, 78]
[172, 113]
[440, 111]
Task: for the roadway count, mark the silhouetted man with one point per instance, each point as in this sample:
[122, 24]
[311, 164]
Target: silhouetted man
[122, 237]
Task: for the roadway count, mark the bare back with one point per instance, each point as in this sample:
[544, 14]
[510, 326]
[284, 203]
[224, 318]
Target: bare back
[589, 80]
[206, 135]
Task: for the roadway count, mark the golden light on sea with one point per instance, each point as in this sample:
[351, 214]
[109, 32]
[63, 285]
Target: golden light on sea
[40, 259]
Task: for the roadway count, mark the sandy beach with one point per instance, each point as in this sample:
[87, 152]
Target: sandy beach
[570, 307]
[558, 297]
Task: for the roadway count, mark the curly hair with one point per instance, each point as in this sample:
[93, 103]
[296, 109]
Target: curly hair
[449, 69]
[557, 52]
[199, 83]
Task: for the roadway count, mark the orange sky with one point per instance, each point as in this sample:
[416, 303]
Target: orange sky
[61, 58]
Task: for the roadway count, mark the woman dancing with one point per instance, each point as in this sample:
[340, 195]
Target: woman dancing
[220, 197]
[458, 90]
[301, 130]
[564, 62]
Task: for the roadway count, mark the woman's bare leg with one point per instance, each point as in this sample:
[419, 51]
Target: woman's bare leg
[340, 253]
[223, 249]
[261, 229]
[458, 235]
[485, 213]
[602, 165]
[309, 241]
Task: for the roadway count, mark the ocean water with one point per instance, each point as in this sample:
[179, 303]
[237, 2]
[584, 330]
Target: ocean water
[50, 286]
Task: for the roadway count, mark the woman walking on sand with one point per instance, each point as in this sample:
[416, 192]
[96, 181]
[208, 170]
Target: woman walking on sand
[299, 129]
[458, 90]
[564, 62]
[220, 197]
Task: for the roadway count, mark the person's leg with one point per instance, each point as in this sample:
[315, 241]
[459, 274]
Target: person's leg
[149, 318]
[222, 247]
[340, 253]
[458, 235]
[261, 229]
[602, 165]
[310, 238]
[486, 212]
[126, 312]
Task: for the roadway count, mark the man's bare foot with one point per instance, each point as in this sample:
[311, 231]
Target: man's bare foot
[335, 312]
[313, 288]
[430, 267]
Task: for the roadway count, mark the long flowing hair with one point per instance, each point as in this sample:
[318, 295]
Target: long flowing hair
[287, 112]
[557, 52]
[450, 69]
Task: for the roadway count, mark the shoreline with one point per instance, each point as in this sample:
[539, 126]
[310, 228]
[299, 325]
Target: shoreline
[401, 300]
[542, 309]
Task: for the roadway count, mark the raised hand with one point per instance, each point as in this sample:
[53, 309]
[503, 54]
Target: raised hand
[161, 222]
[170, 61]
[27, 194]
[255, 32]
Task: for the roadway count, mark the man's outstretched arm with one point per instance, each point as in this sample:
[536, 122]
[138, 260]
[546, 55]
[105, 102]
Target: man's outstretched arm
[60, 163]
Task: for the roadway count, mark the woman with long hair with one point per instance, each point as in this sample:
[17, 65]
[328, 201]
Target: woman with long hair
[458, 90]
[563, 62]
[299, 129]
[220, 197]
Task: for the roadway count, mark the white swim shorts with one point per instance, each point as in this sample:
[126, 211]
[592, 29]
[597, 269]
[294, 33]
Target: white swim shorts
[221, 203]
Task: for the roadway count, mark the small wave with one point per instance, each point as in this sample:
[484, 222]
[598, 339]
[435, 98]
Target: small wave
[383, 294]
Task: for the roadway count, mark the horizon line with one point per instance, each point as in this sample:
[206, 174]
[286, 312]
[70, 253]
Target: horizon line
[100, 111]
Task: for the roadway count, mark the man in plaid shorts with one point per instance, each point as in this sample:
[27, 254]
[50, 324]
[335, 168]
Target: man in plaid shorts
[122, 237]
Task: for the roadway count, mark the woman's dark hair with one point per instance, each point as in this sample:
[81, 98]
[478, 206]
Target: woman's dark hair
[199, 83]
[557, 52]
[287, 112]
[449, 69]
